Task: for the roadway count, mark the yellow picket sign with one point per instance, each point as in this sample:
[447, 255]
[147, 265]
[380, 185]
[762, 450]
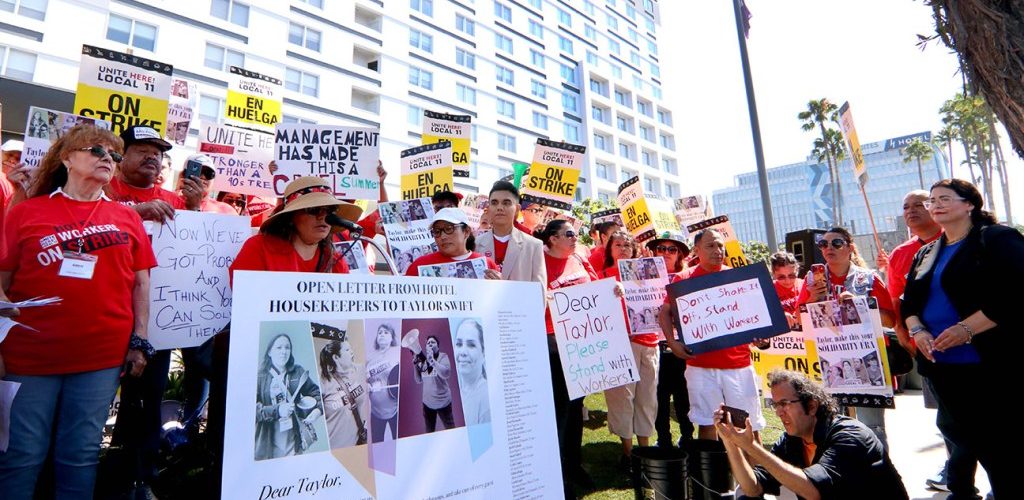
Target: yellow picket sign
[734, 256]
[457, 130]
[123, 89]
[426, 170]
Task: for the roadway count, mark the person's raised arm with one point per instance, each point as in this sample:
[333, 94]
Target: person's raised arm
[382, 174]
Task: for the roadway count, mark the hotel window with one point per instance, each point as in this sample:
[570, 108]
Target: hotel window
[304, 37]
[32, 9]
[421, 40]
[569, 101]
[465, 58]
[465, 25]
[536, 29]
[571, 132]
[564, 18]
[504, 75]
[540, 120]
[503, 42]
[502, 11]
[302, 82]
[211, 109]
[538, 89]
[506, 108]
[423, 6]
[465, 94]
[565, 44]
[230, 11]
[220, 58]
[415, 116]
[506, 142]
[131, 32]
[536, 59]
[421, 78]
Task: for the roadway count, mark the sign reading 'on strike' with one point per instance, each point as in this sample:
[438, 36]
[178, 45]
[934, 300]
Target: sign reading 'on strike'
[123, 89]
[728, 308]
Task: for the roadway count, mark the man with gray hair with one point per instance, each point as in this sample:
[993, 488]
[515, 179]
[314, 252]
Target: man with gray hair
[821, 455]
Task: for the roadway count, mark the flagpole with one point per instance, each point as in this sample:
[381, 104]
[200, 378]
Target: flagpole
[755, 130]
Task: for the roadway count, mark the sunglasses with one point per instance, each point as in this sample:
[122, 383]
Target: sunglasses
[317, 211]
[99, 152]
[785, 276]
[238, 202]
[666, 249]
[569, 234]
[837, 243]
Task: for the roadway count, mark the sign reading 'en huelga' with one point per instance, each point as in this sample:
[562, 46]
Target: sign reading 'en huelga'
[359, 373]
[426, 170]
[45, 126]
[728, 308]
[592, 339]
[254, 100]
[734, 256]
[123, 89]
[190, 294]
[456, 129]
[240, 157]
[635, 214]
[554, 174]
[345, 156]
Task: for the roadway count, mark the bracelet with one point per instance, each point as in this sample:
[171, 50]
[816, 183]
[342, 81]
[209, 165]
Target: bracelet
[970, 333]
[137, 343]
[917, 329]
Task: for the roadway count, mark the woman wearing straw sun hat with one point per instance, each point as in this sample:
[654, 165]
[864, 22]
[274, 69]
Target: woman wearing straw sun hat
[296, 237]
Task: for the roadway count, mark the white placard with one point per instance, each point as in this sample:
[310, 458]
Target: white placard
[723, 310]
[466, 269]
[407, 227]
[345, 156]
[644, 281]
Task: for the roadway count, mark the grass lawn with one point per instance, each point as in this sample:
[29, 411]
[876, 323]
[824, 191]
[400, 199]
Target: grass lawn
[601, 450]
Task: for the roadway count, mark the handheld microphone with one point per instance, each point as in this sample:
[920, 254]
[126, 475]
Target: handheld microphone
[334, 220]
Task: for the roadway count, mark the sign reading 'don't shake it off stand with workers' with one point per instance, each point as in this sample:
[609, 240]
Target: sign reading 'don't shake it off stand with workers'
[254, 100]
[123, 89]
[727, 308]
[554, 173]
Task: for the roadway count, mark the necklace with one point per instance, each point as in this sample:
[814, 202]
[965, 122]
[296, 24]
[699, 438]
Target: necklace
[958, 240]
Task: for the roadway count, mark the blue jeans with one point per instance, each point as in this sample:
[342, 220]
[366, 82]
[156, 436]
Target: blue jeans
[69, 408]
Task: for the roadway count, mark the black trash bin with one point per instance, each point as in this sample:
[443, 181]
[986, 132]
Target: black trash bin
[659, 473]
[708, 470]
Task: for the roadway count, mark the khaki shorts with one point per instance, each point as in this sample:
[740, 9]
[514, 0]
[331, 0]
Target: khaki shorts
[632, 408]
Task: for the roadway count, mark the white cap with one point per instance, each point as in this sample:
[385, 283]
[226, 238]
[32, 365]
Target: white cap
[13, 145]
[450, 214]
[203, 160]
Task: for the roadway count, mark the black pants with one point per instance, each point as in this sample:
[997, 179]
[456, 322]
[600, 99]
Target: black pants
[568, 421]
[430, 417]
[968, 397]
[137, 429]
[672, 386]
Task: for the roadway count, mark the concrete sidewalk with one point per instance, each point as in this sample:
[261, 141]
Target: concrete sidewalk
[916, 446]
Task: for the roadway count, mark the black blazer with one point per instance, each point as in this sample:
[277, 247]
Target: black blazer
[984, 274]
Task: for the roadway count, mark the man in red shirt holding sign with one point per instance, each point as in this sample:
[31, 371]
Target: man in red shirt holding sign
[716, 377]
[135, 183]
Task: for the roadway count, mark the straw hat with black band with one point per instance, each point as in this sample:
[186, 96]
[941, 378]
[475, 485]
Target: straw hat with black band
[310, 192]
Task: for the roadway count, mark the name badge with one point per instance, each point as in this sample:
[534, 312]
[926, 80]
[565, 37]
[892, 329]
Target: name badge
[76, 265]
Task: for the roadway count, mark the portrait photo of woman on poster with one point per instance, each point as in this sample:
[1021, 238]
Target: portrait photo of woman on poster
[288, 403]
[470, 362]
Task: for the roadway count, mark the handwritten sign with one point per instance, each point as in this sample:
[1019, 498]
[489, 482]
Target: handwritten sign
[190, 295]
[592, 339]
[644, 280]
[635, 213]
[345, 156]
[727, 308]
[426, 170]
[240, 157]
[45, 126]
[734, 256]
[554, 173]
[455, 129]
[123, 89]
[254, 100]
[662, 217]
[474, 205]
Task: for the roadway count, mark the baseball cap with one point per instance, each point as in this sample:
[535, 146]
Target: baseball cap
[453, 215]
[12, 145]
[140, 133]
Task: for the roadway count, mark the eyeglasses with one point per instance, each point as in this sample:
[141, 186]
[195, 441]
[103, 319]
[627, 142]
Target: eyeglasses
[782, 403]
[317, 211]
[99, 152]
[437, 231]
[569, 234]
[837, 243]
[941, 200]
[785, 276]
[666, 249]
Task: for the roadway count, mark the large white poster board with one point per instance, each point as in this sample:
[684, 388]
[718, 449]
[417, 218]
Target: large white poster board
[499, 443]
[592, 339]
[189, 291]
[345, 156]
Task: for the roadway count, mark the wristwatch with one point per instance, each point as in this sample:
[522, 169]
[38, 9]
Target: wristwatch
[138, 343]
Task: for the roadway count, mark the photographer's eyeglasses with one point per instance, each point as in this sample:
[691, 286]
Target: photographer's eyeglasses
[99, 152]
[837, 243]
[782, 403]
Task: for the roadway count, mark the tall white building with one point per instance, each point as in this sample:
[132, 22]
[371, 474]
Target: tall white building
[583, 71]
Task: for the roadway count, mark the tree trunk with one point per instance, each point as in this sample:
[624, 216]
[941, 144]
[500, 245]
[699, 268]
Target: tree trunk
[1000, 167]
[831, 173]
[985, 165]
[920, 173]
[839, 193]
[967, 158]
[949, 146]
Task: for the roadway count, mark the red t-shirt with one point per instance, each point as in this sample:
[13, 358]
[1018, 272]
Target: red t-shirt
[440, 258]
[500, 250]
[566, 272]
[878, 291]
[789, 296]
[519, 225]
[645, 339]
[597, 257]
[263, 252]
[369, 224]
[728, 358]
[899, 263]
[125, 194]
[89, 329]
[218, 207]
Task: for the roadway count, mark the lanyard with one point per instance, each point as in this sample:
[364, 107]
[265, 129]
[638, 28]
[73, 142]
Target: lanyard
[81, 240]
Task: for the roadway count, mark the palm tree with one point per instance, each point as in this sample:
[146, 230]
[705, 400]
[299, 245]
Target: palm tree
[920, 151]
[945, 138]
[818, 112]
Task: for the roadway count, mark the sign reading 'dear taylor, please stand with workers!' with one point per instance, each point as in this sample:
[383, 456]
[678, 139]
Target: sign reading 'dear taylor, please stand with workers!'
[554, 173]
[123, 89]
[254, 100]
[592, 339]
[728, 308]
[455, 129]
[426, 170]
[189, 290]
[345, 156]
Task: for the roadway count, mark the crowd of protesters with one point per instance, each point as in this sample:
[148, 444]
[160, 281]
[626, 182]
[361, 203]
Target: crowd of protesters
[75, 228]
